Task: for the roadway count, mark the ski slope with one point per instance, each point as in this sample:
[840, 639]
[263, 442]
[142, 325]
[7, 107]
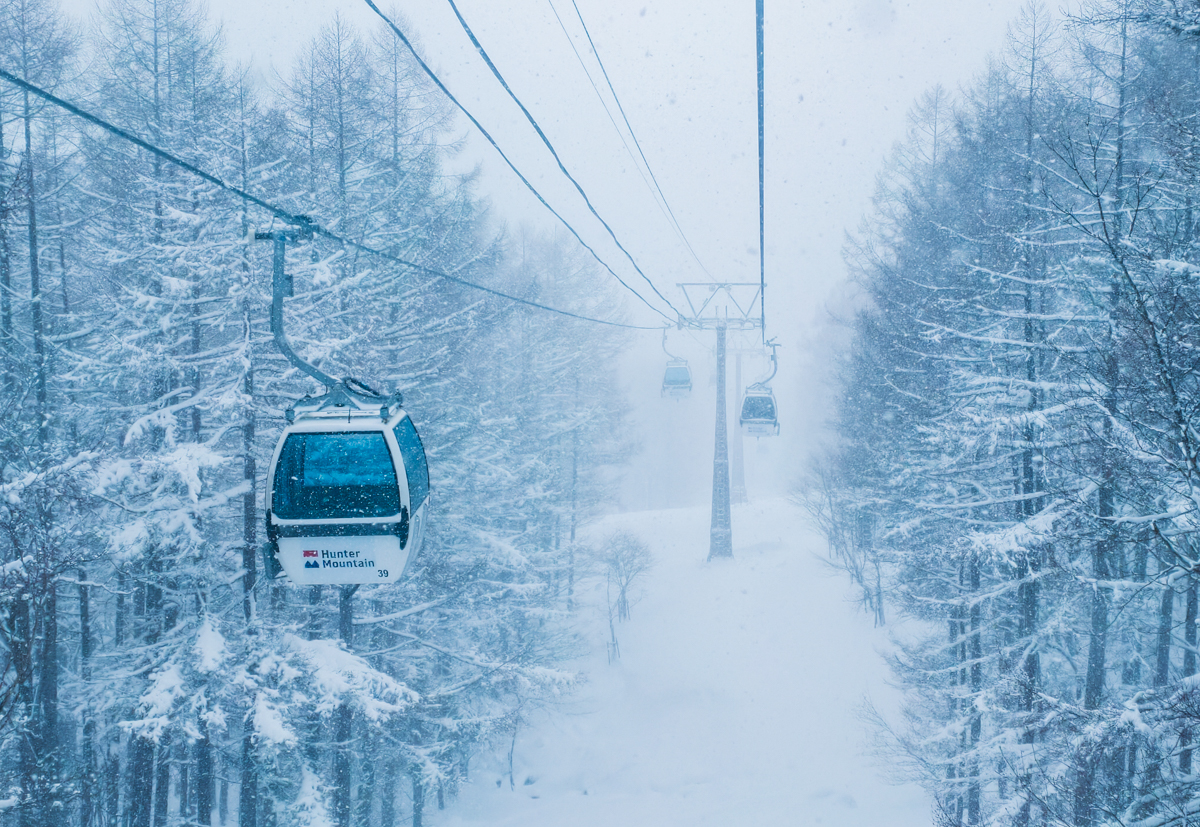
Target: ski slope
[736, 699]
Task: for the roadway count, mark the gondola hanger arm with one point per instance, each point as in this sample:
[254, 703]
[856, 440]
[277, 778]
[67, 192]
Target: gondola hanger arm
[664, 347]
[762, 383]
[282, 287]
[774, 361]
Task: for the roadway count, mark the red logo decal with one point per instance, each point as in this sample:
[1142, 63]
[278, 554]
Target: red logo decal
[310, 554]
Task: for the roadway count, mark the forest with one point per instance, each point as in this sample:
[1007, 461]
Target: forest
[1016, 468]
[152, 673]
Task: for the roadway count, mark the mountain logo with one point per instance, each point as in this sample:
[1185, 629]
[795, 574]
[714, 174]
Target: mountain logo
[311, 564]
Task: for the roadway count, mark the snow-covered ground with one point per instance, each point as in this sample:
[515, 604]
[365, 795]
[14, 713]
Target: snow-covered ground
[736, 699]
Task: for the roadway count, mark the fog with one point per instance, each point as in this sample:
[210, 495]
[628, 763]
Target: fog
[735, 649]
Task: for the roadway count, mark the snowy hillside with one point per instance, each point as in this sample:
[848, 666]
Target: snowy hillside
[735, 700]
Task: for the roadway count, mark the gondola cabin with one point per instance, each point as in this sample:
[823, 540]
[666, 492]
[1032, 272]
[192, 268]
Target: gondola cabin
[759, 415]
[677, 381]
[348, 491]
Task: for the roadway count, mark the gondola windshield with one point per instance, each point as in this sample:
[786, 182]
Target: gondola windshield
[677, 375]
[758, 407]
[325, 476]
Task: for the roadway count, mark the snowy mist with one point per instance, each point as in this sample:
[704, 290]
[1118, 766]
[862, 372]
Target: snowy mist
[354, 473]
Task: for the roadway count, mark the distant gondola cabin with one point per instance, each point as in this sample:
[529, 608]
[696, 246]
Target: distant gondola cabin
[759, 416]
[677, 380]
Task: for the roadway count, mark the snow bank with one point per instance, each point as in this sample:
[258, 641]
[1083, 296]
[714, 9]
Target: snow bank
[736, 699]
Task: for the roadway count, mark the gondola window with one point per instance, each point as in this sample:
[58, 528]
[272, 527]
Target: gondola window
[677, 376]
[415, 467]
[334, 476]
[758, 407]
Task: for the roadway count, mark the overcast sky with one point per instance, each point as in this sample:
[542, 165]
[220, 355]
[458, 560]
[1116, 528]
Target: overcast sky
[840, 76]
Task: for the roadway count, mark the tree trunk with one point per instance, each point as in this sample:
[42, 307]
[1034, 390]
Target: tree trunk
[1027, 597]
[139, 801]
[248, 796]
[21, 635]
[1189, 669]
[112, 783]
[223, 802]
[387, 802]
[7, 375]
[1162, 648]
[1152, 775]
[1086, 809]
[35, 285]
[249, 510]
[121, 621]
[958, 681]
[162, 780]
[203, 761]
[366, 787]
[343, 720]
[50, 803]
[418, 799]
[976, 656]
[1085, 790]
[88, 791]
[183, 785]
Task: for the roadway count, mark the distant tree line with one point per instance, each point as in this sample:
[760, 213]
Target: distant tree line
[149, 673]
[1017, 461]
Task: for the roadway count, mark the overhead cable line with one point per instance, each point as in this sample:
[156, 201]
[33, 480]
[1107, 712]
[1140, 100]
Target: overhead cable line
[537, 128]
[636, 142]
[762, 221]
[285, 215]
[438, 82]
[603, 102]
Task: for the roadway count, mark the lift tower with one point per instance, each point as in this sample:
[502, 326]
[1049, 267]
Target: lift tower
[721, 306]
